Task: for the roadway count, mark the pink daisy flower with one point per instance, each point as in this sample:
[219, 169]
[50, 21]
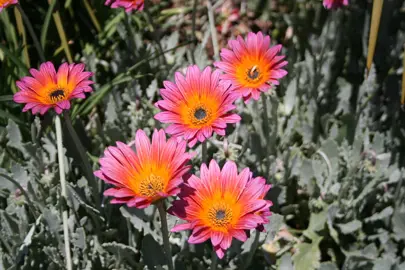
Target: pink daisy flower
[196, 105]
[151, 173]
[221, 205]
[48, 89]
[251, 65]
[332, 4]
[129, 5]
[6, 3]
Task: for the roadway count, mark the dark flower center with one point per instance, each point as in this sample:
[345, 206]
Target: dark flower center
[253, 73]
[220, 214]
[200, 114]
[57, 95]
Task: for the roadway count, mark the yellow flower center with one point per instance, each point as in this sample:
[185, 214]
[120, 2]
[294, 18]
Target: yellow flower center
[199, 111]
[151, 185]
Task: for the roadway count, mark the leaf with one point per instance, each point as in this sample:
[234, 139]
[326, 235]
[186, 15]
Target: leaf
[306, 173]
[308, 255]
[381, 215]
[350, 227]
[111, 112]
[152, 252]
[272, 228]
[20, 174]
[52, 219]
[285, 262]
[79, 238]
[139, 224]
[152, 89]
[382, 264]
[398, 224]
[328, 266]
[290, 96]
[14, 136]
[317, 221]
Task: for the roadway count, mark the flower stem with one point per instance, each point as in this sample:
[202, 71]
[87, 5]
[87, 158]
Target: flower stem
[32, 33]
[204, 152]
[214, 259]
[58, 127]
[88, 171]
[266, 130]
[165, 233]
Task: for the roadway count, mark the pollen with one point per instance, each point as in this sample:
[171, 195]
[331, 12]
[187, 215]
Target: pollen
[150, 186]
[220, 215]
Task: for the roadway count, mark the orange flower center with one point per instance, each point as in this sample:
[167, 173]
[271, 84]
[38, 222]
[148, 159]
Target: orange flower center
[252, 72]
[220, 216]
[199, 111]
[149, 180]
[151, 185]
[220, 212]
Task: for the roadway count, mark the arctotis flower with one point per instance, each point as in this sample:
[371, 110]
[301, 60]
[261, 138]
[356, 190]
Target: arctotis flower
[221, 205]
[48, 89]
[251, 65]
[129, 5]
[332, 4]
[151, 173]
[196, 105]
[6, 3]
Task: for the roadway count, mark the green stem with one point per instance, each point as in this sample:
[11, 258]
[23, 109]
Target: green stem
[88, 171]
[266, 131]
[61, 162]
[255, 245]
[214, 259]
[204, 152]
[32, 33]
[165, 233]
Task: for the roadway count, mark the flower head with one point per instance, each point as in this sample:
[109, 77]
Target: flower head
[48, 89]
[129, 5]
[6, 3]
[221, 205]
[196, 105]
[251, 65]
[332, 4]
[154, 172]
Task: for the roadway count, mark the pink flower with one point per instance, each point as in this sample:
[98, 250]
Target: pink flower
[48, 89]
[151, 173]
[129, 5]
[332, 4]
[6, 3]
[196, 105]
[251, 65]
[221, 205]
